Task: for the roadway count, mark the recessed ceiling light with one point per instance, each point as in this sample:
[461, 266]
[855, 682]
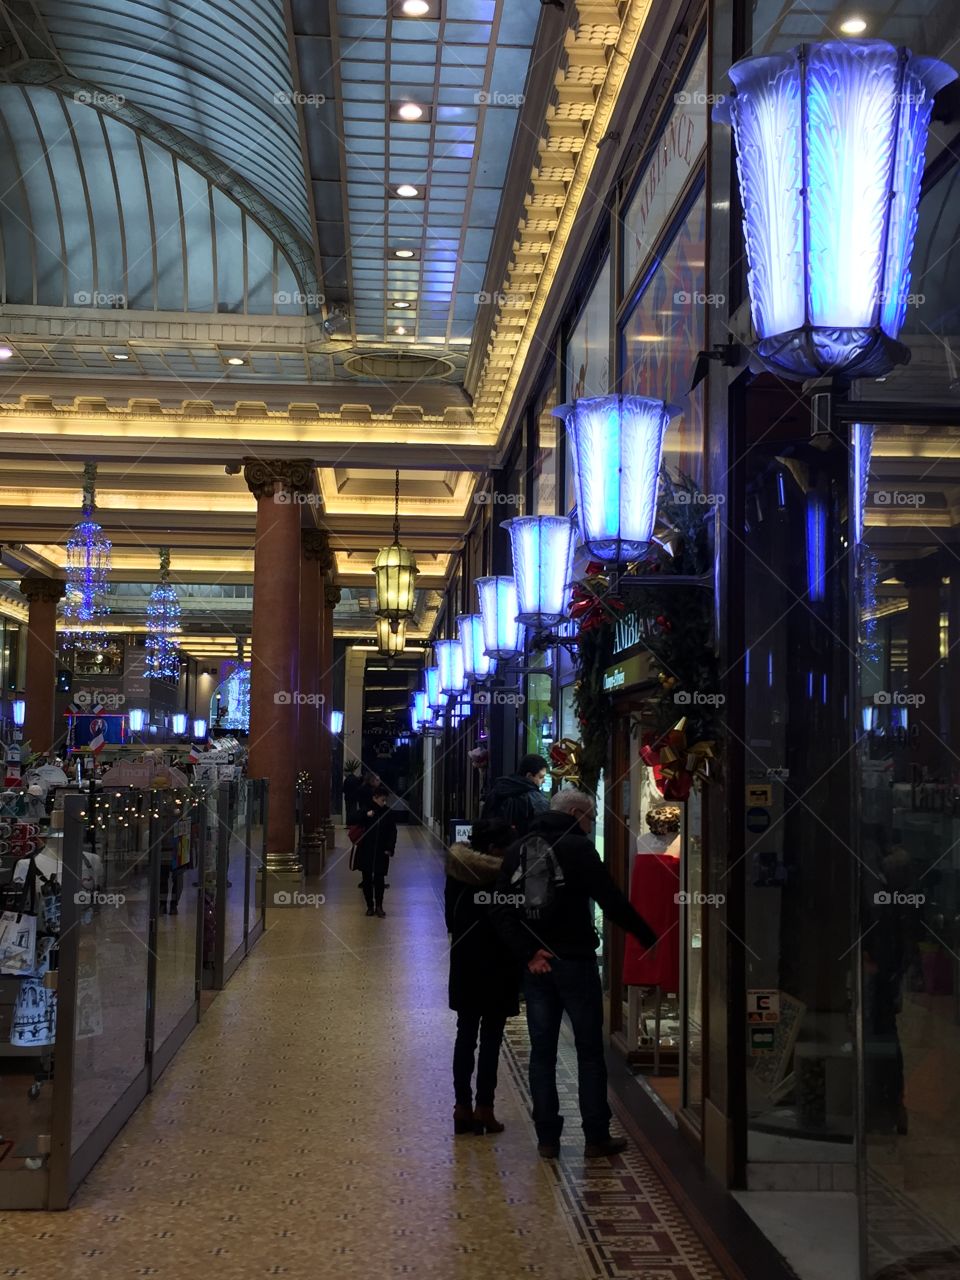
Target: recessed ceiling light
[407, 112]
[235, 360]
[853, 26]
[413, 110]
[415, 8]
[6, 353]
[400, 329]
[120, 355]
[403, 306]
[407, 191]
[404, 253]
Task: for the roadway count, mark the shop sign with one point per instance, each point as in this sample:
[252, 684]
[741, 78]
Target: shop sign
[460, 831]
[632, 630]
[627, 674]
[763, 1006]
[763, 1042]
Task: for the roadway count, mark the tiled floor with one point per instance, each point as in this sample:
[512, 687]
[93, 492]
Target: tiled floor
[304, 1130]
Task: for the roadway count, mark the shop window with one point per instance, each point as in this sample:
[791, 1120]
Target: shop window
[663, 334]
[587, 360]
[545, 462]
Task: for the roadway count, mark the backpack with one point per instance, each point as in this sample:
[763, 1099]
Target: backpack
[537, 878]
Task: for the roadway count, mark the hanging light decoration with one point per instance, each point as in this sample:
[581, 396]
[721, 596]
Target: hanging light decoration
[136, 719]
[503, 633]
[179, 723]
[88, 566]
[163, 625]
[449, 655]
[617, 445]
[396, 572]
[543, 548]
[421, 713]
[391, 642]
[830, 141]
[476, 664]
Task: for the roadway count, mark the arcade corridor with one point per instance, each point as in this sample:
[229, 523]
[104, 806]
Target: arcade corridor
[304, 1131]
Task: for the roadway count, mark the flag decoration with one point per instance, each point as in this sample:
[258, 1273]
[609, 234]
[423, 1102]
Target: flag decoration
[88, 566]
[163, 626]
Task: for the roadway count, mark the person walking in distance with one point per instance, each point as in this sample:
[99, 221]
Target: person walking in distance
[484, 974]
[375, 848]
[556, 873]
[517, 798]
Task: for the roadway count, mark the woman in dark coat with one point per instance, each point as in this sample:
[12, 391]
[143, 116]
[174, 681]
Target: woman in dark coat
[484, 975]
[375, 848]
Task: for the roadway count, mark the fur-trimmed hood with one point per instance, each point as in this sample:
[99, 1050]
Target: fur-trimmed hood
[470, 867]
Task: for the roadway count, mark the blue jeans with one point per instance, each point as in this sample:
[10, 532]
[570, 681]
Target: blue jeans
[572, 986]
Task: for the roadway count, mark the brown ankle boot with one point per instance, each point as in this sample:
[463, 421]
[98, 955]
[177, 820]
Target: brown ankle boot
[463, 1121]
[484, 1121]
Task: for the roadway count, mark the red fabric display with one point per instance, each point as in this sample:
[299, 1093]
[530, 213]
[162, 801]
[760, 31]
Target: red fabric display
[653, 889]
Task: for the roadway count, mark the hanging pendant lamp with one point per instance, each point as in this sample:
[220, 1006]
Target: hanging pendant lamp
[476, 663]
[396, 572]
[503, 633]
[88, 566]
[163, 626]
[391, 641]
[449, 655]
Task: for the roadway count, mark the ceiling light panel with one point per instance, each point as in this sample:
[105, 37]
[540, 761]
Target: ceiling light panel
[466, 64]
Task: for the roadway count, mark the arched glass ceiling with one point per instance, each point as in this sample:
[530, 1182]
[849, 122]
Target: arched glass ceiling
[217, 70]
[93, 214]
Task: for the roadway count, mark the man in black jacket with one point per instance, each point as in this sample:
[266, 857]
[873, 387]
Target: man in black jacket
[517, 799]
[561, 973]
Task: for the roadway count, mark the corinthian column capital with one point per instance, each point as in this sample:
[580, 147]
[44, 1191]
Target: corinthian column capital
[37, 587]
[278, 477]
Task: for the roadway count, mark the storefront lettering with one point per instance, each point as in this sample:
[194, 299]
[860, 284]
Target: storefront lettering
[631, 630]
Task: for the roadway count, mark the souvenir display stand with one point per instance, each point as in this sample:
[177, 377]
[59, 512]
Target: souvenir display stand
[102, 948]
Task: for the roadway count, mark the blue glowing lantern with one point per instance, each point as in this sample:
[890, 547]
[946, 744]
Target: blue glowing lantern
[19, 712]
[336, 722]
[421, 712]
[543, 548]
[436, 698]
[199, 728]
[617, 444]
[830, 141]
[449, 655]
[476, 664]
[179, 723]
[503, 633]
[414, 716]
[136, 718]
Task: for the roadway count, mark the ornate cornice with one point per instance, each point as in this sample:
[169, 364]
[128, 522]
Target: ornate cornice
[331, 595]
[36, 587]
[267, 477]
[316, 546]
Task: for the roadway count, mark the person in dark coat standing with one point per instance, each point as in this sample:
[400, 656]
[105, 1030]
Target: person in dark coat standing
[517, 798]
[375, 848]
[484, 975]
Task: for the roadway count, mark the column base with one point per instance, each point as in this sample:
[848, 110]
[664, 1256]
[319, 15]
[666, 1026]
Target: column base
[312, 852]
[329, 832]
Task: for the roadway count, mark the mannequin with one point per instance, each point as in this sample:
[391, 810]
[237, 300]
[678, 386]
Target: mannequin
[49, 860]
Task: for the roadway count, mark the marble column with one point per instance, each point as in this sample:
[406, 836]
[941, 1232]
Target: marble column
[317, 561]
[279, 487]
[43, 594]
[328, 752]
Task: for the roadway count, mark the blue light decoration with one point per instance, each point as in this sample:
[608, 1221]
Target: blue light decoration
[617, 444]
[436, 698]
[19, 712]
[476, 664]
[816, 546]
[830, 140]
[503, 633]
[336, 722]
[543, 548]
[421, 711]
[862, 450]
[88, 566]
[415, 725]
[163, 626]
[449, 656]
[199, 728]
[179, 722]
[235, 693]
[136, 718]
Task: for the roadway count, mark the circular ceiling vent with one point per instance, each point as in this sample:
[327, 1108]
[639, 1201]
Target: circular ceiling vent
[397, 366]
